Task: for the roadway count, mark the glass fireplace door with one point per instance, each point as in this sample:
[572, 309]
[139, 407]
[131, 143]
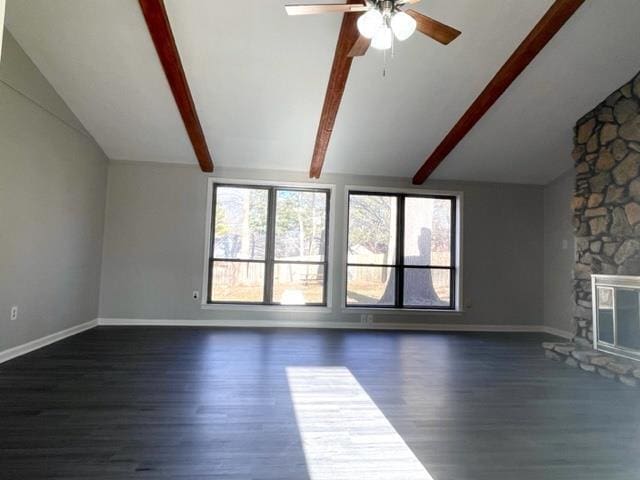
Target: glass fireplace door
[617, 314]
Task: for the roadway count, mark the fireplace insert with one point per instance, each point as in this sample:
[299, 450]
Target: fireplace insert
[616, 314]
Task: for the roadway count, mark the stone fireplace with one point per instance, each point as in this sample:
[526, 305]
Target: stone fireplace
[606, 219]
[606, 212]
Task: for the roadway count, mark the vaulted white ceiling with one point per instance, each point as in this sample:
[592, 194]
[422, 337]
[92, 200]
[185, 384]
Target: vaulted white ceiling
[258, 79]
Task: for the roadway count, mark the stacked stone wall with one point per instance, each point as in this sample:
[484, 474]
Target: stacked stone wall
[606, 221]
[606, 203]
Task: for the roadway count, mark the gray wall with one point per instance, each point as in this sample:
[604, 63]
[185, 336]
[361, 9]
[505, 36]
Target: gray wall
[559, 248]
[155, 235]
[52, 198]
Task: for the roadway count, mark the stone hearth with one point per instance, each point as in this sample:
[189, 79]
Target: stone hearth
[589, 360]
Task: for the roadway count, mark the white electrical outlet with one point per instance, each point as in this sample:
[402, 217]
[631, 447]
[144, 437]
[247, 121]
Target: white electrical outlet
[196, 294]
[369, 318]
[14, 312]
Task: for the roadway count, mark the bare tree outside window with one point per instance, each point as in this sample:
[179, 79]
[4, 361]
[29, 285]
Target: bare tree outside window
[269, 245]
[400, 250]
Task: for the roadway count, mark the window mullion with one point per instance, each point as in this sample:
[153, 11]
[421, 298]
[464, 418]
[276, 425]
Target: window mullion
[453, 226]
[399, 251]
[269, 254]
[212, 242]
[325, 280]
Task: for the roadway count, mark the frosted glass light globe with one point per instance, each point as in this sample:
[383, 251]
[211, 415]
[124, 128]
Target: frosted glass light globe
[383, 38]
[369, 23]
[403, 25]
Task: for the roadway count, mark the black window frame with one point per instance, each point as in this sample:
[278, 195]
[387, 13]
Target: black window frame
[399, 266]
[269, 261]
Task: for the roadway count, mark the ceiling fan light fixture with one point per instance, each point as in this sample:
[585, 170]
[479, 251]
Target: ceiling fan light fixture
[370, 23]
[402, 25]
[383, 39]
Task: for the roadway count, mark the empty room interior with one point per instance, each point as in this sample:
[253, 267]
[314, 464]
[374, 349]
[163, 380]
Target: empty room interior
[361, 240]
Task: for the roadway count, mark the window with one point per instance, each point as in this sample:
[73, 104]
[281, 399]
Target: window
[401, 251]
[269, 245]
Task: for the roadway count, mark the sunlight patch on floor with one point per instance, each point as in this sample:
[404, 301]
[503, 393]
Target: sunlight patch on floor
[344, 433]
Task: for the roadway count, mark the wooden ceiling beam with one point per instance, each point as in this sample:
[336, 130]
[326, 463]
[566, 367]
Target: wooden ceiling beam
[337, 81]
[155, 14]
[542, 33]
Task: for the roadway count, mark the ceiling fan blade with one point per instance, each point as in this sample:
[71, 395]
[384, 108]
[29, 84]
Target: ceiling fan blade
[433, 28]
[360, 47]
[312, 9]
[410, 1]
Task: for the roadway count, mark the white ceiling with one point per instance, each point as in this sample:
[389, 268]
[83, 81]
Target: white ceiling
[258, 80]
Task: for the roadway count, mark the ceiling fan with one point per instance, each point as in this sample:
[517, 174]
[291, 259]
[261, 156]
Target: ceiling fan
[380, 21]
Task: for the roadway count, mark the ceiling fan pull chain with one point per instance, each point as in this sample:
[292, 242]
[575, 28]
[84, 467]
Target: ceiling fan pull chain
[393, 46]
[384, 66]
[386, 59]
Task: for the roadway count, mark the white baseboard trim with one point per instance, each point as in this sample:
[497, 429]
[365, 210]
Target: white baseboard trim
[25, 348]
[440, 327]
[557, 332]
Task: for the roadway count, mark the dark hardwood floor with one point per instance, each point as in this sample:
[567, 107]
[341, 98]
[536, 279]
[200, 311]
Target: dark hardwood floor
[190, 403]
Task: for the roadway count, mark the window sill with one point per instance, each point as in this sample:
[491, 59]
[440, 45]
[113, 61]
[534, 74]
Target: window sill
[395, 311]
[265, 308]
[328, 309]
